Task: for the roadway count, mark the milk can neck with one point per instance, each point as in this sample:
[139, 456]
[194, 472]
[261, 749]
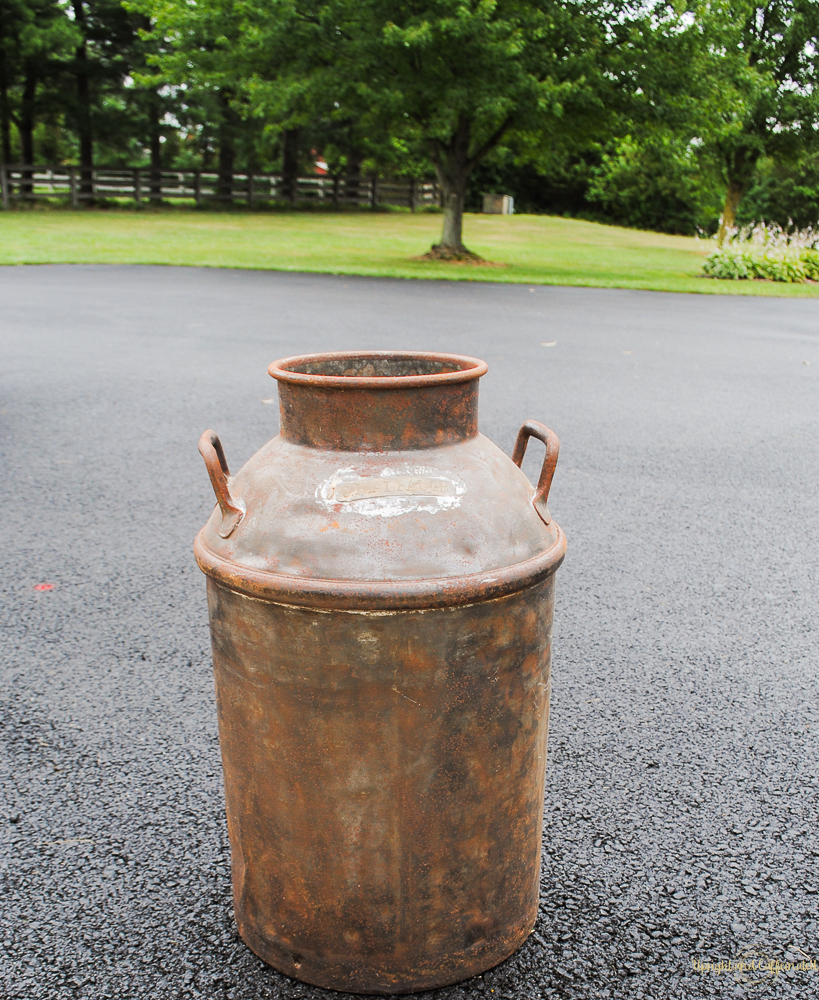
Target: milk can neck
[378, 401]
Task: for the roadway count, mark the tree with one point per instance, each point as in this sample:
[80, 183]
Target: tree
[760, 63]
[199, 48]
[460, 76]
[657, 182]
[787, 194]
[449, 79]
[148, 107]
[35, 39]
[651, 172]
[103, 59]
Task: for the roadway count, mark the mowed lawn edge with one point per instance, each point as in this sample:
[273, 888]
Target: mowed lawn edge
[524, 249]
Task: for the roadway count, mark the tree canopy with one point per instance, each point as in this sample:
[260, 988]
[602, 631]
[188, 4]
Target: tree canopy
[655, 114]
[760, 66]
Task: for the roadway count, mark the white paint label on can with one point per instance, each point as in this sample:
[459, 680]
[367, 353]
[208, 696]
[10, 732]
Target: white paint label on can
[392, 492]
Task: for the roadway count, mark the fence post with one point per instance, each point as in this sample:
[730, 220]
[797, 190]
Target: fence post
[4, 184]
[197, 186]
[413, 194]
[72, 181]
[373, 192]
[137, 187]
[250, 188]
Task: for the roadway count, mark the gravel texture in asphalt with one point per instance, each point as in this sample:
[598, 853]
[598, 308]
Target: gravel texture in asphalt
[682, 791]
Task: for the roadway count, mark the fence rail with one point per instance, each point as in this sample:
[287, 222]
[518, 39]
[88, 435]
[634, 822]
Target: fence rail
[78, 185]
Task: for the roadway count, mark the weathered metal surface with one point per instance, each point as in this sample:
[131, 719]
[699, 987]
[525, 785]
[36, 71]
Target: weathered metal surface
[381, 595]
[398, 402]
[532, 428]
[210, 448]
[385, 784]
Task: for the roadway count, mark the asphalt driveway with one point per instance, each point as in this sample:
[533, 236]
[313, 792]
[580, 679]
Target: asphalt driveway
[682, 792]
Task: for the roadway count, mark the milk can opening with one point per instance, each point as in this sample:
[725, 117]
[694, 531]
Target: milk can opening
[390, 369]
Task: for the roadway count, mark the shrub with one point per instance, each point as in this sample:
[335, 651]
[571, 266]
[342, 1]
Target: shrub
[657, 184]
[810, 260]
[727, 262]
[766, 251]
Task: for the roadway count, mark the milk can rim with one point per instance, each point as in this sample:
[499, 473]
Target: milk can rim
[465, 369]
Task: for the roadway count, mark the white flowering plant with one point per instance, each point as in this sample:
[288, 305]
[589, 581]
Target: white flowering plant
[766, 251]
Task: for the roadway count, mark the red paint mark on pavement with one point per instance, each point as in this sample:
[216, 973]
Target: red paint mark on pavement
[43, 586]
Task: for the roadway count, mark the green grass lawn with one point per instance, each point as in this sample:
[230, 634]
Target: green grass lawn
[522, 248]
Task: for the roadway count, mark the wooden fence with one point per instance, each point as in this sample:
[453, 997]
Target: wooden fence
[143, 185]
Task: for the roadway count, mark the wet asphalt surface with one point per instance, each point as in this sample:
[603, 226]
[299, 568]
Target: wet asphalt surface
[682, 791]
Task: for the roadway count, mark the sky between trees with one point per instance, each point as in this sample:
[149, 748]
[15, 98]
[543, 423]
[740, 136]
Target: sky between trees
[654, 114]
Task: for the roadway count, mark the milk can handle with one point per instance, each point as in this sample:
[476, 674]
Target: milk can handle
[210, 448]
[532, 428]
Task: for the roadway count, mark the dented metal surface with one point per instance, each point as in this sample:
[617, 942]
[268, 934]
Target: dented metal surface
[381, 610]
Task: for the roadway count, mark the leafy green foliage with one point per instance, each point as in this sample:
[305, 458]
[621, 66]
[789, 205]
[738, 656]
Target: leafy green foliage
[460, 76]
[758, 66]
[653, 115]
[767, 252]
[37, 41]
[658, 184]
[785, 193]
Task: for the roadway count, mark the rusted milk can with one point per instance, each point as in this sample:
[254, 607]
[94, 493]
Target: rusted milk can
[380, 585]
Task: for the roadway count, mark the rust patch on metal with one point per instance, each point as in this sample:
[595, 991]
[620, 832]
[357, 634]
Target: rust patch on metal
[378, 401]
[384, 781]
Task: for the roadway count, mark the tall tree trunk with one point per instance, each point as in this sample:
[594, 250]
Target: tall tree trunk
[156, 151]
[454, 190]
[26, 128]
[227, 151]
[5, 113]
[452, 164]
[733, 196]
[352, 180]
[86, 135]
[290, 163]
[227, 161]
[739, 164]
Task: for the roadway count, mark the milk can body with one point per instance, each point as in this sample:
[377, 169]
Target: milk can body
[381, 592]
